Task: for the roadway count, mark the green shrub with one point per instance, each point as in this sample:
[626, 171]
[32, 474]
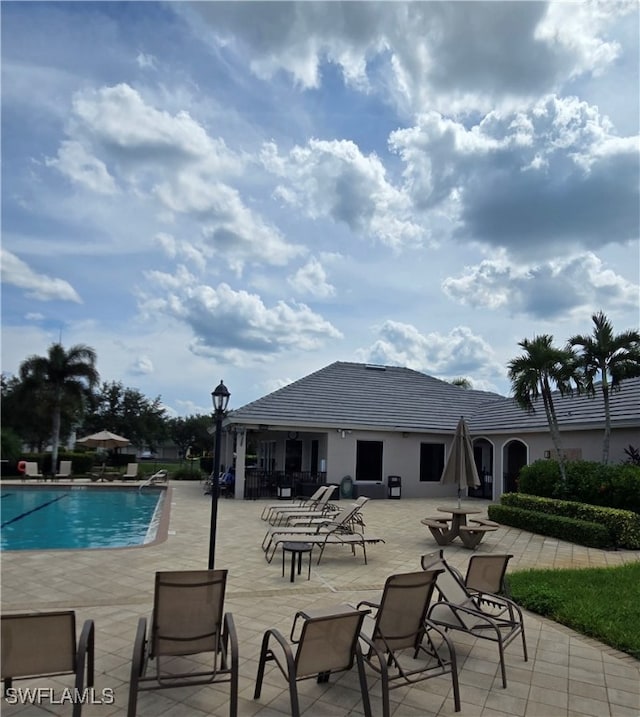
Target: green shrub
[613, 486]
[582, 532]
[623, 525]
[539, 478]
[187, 474]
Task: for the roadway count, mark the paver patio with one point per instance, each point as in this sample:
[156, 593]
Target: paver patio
[567, 675]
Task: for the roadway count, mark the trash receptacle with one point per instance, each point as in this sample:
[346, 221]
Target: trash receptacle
[394, 486]
[346, 487]
[284, 488]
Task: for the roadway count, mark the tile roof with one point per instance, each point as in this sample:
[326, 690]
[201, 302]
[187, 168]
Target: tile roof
[577, 411]
[346, 394]
[364, 395]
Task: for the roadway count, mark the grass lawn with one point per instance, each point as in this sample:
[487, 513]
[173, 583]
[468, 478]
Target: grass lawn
[603, 603]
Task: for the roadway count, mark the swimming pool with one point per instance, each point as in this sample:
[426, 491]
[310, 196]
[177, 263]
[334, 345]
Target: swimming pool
[76, 517]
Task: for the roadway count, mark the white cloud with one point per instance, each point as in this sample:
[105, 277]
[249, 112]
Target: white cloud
[550, 290]
[36, 286]
[74, 162]
[146, 62]
[142, 366]
[233, 325]
[554, 178]
[458, 353]
[335, 179]
[449, 55]
[311, 279]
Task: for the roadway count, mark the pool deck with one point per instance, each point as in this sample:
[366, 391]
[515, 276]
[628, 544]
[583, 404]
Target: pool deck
[567, 675]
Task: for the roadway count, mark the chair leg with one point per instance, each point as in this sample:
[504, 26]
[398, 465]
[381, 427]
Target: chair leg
[137, 666]
[364, 688]
[231, 640]
[293, 695]
[264, 656]
[503, 669]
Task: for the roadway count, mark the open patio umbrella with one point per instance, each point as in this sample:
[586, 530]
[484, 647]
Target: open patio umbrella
[104, 439]
[460, 468]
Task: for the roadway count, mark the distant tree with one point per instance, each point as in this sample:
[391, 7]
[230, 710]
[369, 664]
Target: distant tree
[127, 412]
[62, 380]
[611, 358]
[536, 373]
[10, 444]
[191, 432]
[462, 382]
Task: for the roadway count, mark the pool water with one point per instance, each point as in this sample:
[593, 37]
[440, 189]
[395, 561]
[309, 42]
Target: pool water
[78, 517]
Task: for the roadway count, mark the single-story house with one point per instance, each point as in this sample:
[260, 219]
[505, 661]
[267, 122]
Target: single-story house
[370, 422]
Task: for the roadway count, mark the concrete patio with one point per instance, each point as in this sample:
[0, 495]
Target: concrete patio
[567, 675]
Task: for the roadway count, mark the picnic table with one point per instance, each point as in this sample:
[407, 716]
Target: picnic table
[446, 529]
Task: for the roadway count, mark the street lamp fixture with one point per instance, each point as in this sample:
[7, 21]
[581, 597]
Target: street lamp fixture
[220, 399]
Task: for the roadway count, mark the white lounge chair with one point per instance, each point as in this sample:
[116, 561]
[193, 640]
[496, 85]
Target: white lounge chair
[64, 471]
[132, 472]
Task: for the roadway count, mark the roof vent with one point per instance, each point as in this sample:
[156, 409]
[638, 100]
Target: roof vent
[373, 367]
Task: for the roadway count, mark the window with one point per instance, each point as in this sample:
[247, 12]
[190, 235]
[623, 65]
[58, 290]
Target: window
[431, 461]
[369, 460]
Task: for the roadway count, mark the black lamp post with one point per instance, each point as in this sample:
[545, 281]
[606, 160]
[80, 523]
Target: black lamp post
[220, 401]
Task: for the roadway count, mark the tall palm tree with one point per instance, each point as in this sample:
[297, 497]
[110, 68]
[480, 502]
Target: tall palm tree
[63, 377]
[536, 373]
[610, 357]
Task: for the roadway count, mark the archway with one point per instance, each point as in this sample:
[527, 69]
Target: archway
[514, 457]
[483, 457]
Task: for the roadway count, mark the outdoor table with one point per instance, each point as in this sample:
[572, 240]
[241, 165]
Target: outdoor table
[296, 549]
[445, 532]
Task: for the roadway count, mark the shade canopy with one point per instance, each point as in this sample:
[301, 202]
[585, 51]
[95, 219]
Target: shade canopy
[460, 468]
[104, 439]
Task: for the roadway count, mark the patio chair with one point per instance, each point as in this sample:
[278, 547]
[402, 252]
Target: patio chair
[31, 471]
[296, 503]
[403, 647]
[486, 616]
[64, 471]
[187, 620]
[486, 574]
[43, 645]
[131, 472]
[327, 643]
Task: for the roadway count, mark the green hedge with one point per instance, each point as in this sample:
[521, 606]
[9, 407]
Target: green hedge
[582, 532]
[623, 526]
[613, 486]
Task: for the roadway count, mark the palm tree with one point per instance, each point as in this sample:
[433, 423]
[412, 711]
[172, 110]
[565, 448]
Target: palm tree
[536, 373]
[63, 377]
[610, 357]
[461, 382]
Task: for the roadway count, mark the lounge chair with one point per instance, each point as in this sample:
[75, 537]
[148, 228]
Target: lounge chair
[343, 521]
[297, 503]
[131, 473]
[321, 540]
[31, 471]
[64, 471]
[327, 643]
[486, 616]
[187, 620]
[403, 646]
[43, 645]
[319, 507]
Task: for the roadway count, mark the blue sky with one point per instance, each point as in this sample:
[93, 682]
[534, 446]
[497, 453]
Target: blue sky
[251, 191]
